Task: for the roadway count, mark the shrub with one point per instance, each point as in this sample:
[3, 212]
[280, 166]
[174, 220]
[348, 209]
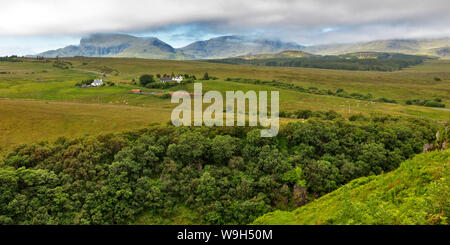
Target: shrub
[433, 104]
[385, 100]
[146, 79]
[166, 96]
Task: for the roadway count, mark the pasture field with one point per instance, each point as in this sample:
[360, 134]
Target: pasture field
[27, 121]
[39, 101]
[410, 83]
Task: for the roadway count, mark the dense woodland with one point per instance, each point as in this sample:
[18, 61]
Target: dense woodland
[226, 175]
[383, 62]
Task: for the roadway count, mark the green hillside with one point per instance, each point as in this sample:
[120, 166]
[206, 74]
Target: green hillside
[284, 54]
[418, 192]
[405, 46]
[362, 61]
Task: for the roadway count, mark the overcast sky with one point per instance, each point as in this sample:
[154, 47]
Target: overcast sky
[31, 26]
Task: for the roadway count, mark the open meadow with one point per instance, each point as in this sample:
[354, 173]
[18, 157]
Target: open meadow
[39, 101]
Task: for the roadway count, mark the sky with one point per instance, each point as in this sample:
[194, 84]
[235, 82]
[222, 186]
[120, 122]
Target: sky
[33, 26]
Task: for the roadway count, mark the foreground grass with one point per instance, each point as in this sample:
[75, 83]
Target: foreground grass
[418, 192]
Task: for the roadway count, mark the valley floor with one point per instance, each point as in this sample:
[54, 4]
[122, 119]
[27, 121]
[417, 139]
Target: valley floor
[41, 102]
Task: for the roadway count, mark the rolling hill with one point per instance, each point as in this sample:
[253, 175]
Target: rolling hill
[283, 54]
[406, 46]
[416, 193]
[351, 61]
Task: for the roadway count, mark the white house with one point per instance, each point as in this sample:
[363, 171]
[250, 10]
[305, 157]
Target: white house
[178, 79]
[97, 82]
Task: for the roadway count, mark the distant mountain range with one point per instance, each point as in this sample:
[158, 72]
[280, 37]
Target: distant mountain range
[122, 45]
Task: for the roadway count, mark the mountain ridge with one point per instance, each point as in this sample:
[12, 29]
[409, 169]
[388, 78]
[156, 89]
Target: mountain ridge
[124, 45]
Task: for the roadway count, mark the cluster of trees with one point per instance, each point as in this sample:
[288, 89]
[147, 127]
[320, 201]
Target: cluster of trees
[333, 62]
[12, 58]
[305, 114]
[436, 102]
[148, 80]
[85, 82]
[91, 80]
[62, 64]
[206, 76]
[313, 90]
[227, 175]
[185, 76]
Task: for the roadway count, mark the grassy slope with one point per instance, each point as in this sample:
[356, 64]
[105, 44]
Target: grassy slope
[411, 83]
[284, 54]
[26, 121]
[418, 192]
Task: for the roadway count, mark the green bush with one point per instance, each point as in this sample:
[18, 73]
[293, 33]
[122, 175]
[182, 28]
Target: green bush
[434, 104]
[146, 79]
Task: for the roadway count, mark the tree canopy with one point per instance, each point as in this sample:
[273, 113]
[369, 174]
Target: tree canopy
[226, 175]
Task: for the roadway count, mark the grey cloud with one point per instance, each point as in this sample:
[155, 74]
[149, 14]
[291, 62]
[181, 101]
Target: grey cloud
[300, 21]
